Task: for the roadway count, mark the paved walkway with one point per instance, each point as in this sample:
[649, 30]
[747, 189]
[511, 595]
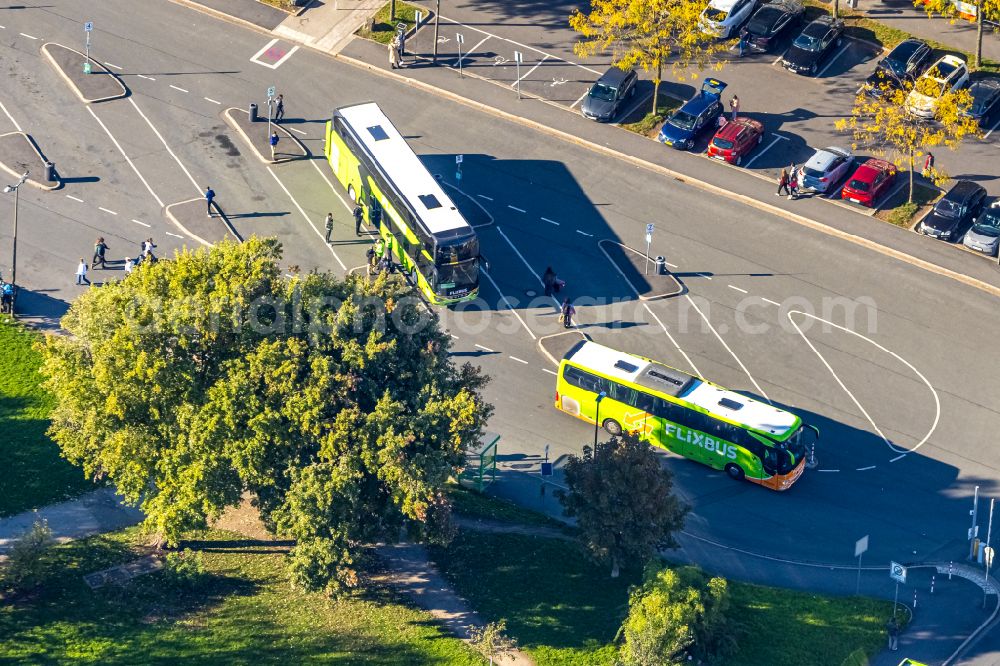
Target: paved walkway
[327, 26]
[958, 33]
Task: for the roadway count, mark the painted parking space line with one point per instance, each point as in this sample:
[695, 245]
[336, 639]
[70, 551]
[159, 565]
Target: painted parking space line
[70, 196]
[465, 56]
[579, 100]
[635, 105]
[777, 138]
[308, 219]
[672, 340]
[584, 233]
[842, 51]
[506, 302]
[537, 65]
[671, 265]
[995, 125]
[181, 89]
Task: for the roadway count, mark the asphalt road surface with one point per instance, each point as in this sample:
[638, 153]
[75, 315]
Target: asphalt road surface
[895, 365]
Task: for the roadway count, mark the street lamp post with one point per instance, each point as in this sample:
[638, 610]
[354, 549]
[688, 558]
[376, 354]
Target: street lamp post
[437, 26]
[597, 417]
[13, 261]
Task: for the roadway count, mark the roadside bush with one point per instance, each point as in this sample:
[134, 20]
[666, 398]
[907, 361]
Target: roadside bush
[184, 570]
[901, 215]
[23, 569]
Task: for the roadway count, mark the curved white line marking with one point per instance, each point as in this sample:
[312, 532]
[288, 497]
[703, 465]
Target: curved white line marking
[937, 400]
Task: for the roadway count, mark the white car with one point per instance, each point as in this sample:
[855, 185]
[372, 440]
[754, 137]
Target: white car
[948, 74]
[826, 168]
[722, 18]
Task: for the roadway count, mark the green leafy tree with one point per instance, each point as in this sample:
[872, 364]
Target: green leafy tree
[647, 34]
[622, 500]
[492, 642]
[332, 402]
[677, 615]
[25, 558]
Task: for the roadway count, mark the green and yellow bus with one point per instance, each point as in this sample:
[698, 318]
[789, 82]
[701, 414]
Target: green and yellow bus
[422, 227]
[684, 414]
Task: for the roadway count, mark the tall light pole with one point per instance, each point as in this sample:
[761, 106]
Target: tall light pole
[13, 261]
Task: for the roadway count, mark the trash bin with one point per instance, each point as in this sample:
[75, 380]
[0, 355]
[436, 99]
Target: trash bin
[50, 172]
[661, 266]
[253, 112]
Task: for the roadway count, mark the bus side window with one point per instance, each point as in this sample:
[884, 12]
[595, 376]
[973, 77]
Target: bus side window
[644, 401]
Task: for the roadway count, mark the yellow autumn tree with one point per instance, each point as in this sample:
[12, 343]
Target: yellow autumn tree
[646, 34]
[985, 9]
[886, 126]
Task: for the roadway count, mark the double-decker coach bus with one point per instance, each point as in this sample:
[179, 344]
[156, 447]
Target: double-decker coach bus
[422, 227]
[684, 414]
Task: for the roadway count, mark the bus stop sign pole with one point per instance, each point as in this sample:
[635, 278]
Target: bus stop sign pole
[518, 58]
[460, 38]
[649, 239]
[88, 27]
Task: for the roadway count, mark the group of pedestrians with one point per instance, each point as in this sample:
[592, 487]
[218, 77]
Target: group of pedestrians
[99, 260]
[397, 49]
[789, 181]
[359, 218]
[553, 285]
[380, 258]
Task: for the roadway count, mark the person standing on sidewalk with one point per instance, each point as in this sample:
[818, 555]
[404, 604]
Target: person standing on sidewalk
[274, 143]
[359, 218]
[209, 199]
[81, 272]
[394, 53]
[928, 171]
[892, 629]
[279, 109]
[734, 105]
[742, 44]
[329, 226]
[99, 248]
[783, 183]
[568, 311]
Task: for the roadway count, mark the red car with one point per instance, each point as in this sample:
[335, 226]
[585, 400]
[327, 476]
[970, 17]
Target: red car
[871, 180]
[735, 139]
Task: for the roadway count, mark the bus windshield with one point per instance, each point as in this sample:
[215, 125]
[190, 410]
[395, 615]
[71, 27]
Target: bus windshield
[790, 452]
[461, 249]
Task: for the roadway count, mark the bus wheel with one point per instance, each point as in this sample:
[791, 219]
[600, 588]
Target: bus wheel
[735, 472]
[351, 194]
[612, 427]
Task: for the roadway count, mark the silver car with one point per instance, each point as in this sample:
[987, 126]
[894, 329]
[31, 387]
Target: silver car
[984, 236]
[825, 168]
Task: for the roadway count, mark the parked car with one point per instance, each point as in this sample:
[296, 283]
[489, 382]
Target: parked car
[697, 114]
[606, 96]
[948, 74]
[984, 236]
[723, 18]
[954, 210]
[826, 167]
[767, 23]
[903, 65]
[869, 182]
[736, 139]
[813, 45]
[985, 100]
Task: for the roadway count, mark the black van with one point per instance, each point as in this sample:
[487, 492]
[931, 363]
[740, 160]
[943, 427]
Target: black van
[605, 98]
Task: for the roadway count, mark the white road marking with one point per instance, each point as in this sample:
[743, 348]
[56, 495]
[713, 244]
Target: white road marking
[514, 358]
[483, 348]
[127, 158]
[507, 303]
[322, 175]
[545, 219]
[674, 342]
[24, 34]
[865, 469]
[742, 291]
[277, 64]
[579, 100]
[308, 219]
[671, 265]
[551, 372]
[143, 76]
[297, 131]
[470, 51]
[453, 335]
[16, 126]
[995, 125]
[777, 138]
[209, 99]
[899, 457]
[828, 470]
[546, 57]
[109, 212]
[142, 223]
[271, 43]
[704, 275]
[635, 105]
[841, 52]
[937, 401]
[112, 65]
[181, 89]
[731, 352]
[290, 276]
[164, 142]
[174, 235]
[483, 196]
[70, 196]
[3, 27]
[768, 300]
[525, 261]
[583, 233]
[519, 210]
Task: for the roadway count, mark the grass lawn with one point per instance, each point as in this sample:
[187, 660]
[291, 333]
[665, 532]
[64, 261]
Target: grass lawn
[243, 613]
[474, 504]
[34, 474]
[563, 609]
[903, 214]
[386, 28]
[649, 125]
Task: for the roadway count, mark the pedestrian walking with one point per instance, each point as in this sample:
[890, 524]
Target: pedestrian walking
[892, 629]
[81, 272]
[568, 311]
[359, 218]
[372, 260]
[129, 265]
[928, 171]
[99, 248]
[210, 199]
[549, 281]
[734, 105]
[279, 108]
[329, 226]
[147, 250]
[274, 143]
[742, 44]
[394, 53]
[793, 182]
[783, 183]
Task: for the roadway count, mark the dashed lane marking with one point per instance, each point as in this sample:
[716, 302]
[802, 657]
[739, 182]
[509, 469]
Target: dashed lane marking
[519, 210]
[297, 131]
[671, 265]
[899, 457]
[125, 155]
[142, 223]
[704, 275]
[209, 99]
[742, 291]
[181, 89]
[453, 335]
[584, 233]
[143, 76]
[174, 235]
[828, 470]
[483, 348]
[113, 66]
[14, 122]
[519, 360]
[70, 196]
[865, 469]
[109, 212]
[768, 300]
[545, 219]
[551, 372]
[483, 196]
[24, 34]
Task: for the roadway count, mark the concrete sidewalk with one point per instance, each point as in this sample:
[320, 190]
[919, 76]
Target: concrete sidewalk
[958, 32]
[327, 26]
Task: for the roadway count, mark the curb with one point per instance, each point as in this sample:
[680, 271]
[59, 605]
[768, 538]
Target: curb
[654, 297]
[37, 183]
[708, 187]
[263, 158]
[545, 352]
[72, 84]
[181, 226]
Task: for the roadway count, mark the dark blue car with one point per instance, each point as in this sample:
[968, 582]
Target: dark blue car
[698, 113]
